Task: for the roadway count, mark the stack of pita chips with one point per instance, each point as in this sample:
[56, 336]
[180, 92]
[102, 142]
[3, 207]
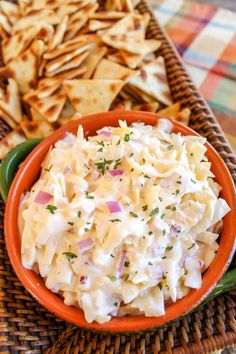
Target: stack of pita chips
[65, 59]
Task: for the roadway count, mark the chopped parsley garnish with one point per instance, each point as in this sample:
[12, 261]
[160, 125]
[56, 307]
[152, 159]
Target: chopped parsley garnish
[163, 257]
[127, 137]
[153, 212]
[112, 255]
[150, 263]
[88, 196]
[117, 163]
[150, 233]
[145, 207]
[132, 154]
[100, 143]
[118, 143]
[103, 165]
[192, 180]
[70, 223]
[163, 232]
[133, 214]
[79, 214]
[193, 244]
[159, 285]
[146, 176]
[176, 192]
[169, 248]
[161, 199]
[115, 220]
[111, 277]
[170, 147]
[174, 208]
[69, 255]
[100, 150]
[48, 169]
[162, 216]
[86, 229]
[51, 208]
[127, 263]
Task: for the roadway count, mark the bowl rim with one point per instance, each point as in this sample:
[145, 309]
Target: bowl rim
[34, 283]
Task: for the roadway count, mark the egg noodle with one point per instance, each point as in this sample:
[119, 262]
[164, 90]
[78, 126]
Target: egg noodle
[122, 222]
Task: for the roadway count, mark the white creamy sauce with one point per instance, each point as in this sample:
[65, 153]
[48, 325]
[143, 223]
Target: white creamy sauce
[120, 222]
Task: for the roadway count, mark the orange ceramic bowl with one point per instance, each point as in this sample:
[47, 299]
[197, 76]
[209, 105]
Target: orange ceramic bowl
[28, 174]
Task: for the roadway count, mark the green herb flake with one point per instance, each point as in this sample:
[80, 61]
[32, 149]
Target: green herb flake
[150, 233]
[103, 165]
[164, 277]
[111, 277]
[101, 143]
[162, 216]
[153, 212]
[86, 229]
[115, 220]
[145, 207]
[163, 232]
[193, 244]
[169, 248]
[118, 143]
[146, 176]
[132, 154]
[88, 196]
[174, 208]
[127, 137]
[170, 147]
[161, 199]
[179, 182]
[150, 263]
[69, 255]
[117, 163]
[133, 214]
[79, 214]
[159, 285]
[70, 223]
[163, 257]
[48, 169]
[176, 192]
[127, 263]
[51, 208]
[100, 150]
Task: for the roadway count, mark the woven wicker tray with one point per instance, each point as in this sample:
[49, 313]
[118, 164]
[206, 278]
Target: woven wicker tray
[26, 327]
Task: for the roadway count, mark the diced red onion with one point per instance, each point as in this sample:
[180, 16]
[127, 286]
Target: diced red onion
[83, 279]
[67, 170]
[156, 271]
[115, 172]
[85, 244]
[42, 197]
[175, 230]
[114, 206]
[105, 133]
[121, 262]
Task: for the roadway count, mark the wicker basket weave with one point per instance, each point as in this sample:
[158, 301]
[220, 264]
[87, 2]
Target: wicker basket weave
[26, 327]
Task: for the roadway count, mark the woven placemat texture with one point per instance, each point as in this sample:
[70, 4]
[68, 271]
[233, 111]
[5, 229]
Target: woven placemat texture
[28, 328]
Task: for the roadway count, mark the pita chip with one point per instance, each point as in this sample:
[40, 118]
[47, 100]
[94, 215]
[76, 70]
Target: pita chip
[72, 64]
[35, 16]
[95, 25]
[107, 15]
[13, 46]
[90, 96]
[64, 120]
[68, 110]
[108, 69]
[71, 7]
[153, 81]
[10, 104]
[113, 5]
[36, 116]
[137, 94]
[57, 63]
[92, 61]
[67, 75]
[37, 129]
[49, 107]
[24, 68]
[12, 124]
[184, 116]
[59, 33]
[6, 26]
[10, 10]
[171, 111]
[117, 58]
[146, 107]
[12, 139]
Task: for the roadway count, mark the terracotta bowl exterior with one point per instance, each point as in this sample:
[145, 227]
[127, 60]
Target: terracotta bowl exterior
[28, 174]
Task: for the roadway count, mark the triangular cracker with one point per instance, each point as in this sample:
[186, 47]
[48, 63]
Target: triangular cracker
[92, 61]
[10, 103]
[24, 68]
[72, 64]
[44, 14]
[171, 111]
[10, 141]
[38, 129]
[49, 107]
[95, 25]
[153, 81]
[90, 96]
[146, 107]
[12, 124]
[10, 10]
[108, 69]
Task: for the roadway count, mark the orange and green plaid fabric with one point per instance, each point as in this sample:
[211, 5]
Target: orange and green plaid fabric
[205, 37]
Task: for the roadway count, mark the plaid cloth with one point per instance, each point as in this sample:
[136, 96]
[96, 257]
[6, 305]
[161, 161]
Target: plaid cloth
[205, 37]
